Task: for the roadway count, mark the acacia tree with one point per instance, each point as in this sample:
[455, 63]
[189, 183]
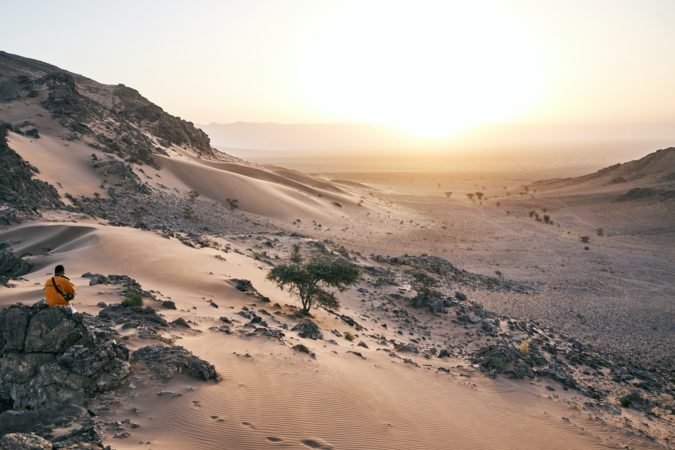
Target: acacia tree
[312, 280]
[423, 283]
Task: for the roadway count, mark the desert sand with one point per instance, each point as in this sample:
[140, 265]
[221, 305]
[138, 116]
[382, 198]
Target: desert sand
[189, 224]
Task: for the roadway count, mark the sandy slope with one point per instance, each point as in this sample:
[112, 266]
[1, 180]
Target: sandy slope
[257, 191]
[65, 165]
[279, 398]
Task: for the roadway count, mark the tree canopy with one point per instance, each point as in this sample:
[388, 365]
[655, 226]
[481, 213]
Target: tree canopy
[312, 280]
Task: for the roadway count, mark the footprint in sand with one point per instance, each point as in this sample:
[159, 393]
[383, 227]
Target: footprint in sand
[316, 443]
[274, 439]
[249, 425]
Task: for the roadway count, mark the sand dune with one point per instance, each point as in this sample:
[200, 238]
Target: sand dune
[66, 166]
[278, 397]
[257, 191]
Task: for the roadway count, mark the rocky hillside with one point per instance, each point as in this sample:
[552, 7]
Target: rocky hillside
[115, 119]
[650, 177]
[18, 185]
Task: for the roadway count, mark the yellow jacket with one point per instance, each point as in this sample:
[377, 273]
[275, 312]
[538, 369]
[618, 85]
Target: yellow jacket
[52, 295]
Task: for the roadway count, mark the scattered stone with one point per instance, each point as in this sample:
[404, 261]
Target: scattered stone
[267, 332]
[170, 394]
[636, 401]
[10, 265]
[243, 285]
[165, 362]
[303, 349]
[407, 348]
[180, 323]
[169, 304]
[308, 329]
[22, 441]
[502, 359]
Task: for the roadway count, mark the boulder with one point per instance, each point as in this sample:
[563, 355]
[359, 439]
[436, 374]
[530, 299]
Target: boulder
[243, 285]
[133, 316]
[557, 371]
[52, 364]
[52, 330]
[21, 441]
[11, 266]
[504, 359]
[166, 362]
[308, 329]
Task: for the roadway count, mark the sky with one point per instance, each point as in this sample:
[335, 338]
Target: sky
[425, 67]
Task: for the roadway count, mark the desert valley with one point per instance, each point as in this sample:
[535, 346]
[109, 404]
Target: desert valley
[548, 324]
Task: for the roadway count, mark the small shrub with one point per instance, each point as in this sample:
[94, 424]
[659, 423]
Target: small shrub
[524, 348]
[349, 336]
[585, 239]
[600, 231]
[296, 257]
[133, 300]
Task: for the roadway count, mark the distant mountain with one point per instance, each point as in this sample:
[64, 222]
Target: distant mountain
[305, 137]
[345, 147]
[652, 176]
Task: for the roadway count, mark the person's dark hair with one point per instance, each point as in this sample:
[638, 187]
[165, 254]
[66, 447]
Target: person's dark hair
[59, 270]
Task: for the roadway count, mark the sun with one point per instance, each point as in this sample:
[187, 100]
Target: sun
[426, 68]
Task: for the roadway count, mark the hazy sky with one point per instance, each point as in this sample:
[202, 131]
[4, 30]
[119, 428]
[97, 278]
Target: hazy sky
[424, 66]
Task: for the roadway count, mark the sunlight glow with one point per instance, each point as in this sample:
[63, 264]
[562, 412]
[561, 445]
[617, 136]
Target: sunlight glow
[429, 70]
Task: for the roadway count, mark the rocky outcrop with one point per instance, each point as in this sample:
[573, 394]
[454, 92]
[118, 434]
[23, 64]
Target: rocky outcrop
[132, 106]
[51, 362]
[23, 441]
[503, 359]
[453, 274]
[18, 188]
[166, 362]
[57, 366]
[308, 329]
[11, 266]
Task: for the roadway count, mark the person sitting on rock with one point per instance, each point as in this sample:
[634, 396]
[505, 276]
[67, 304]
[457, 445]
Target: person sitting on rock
[59, 290]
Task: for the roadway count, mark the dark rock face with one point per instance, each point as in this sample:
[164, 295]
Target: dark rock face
[165, 362]
[51, 363]
[243, 285]
[18, 189]
[10, 265]
[129, 286]
[308, 329]
[557, 372]
[434, 304]
[64, 100]
[132, 316]
[503, 359]
[21, 441]
[303, 349]
[135, 108]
